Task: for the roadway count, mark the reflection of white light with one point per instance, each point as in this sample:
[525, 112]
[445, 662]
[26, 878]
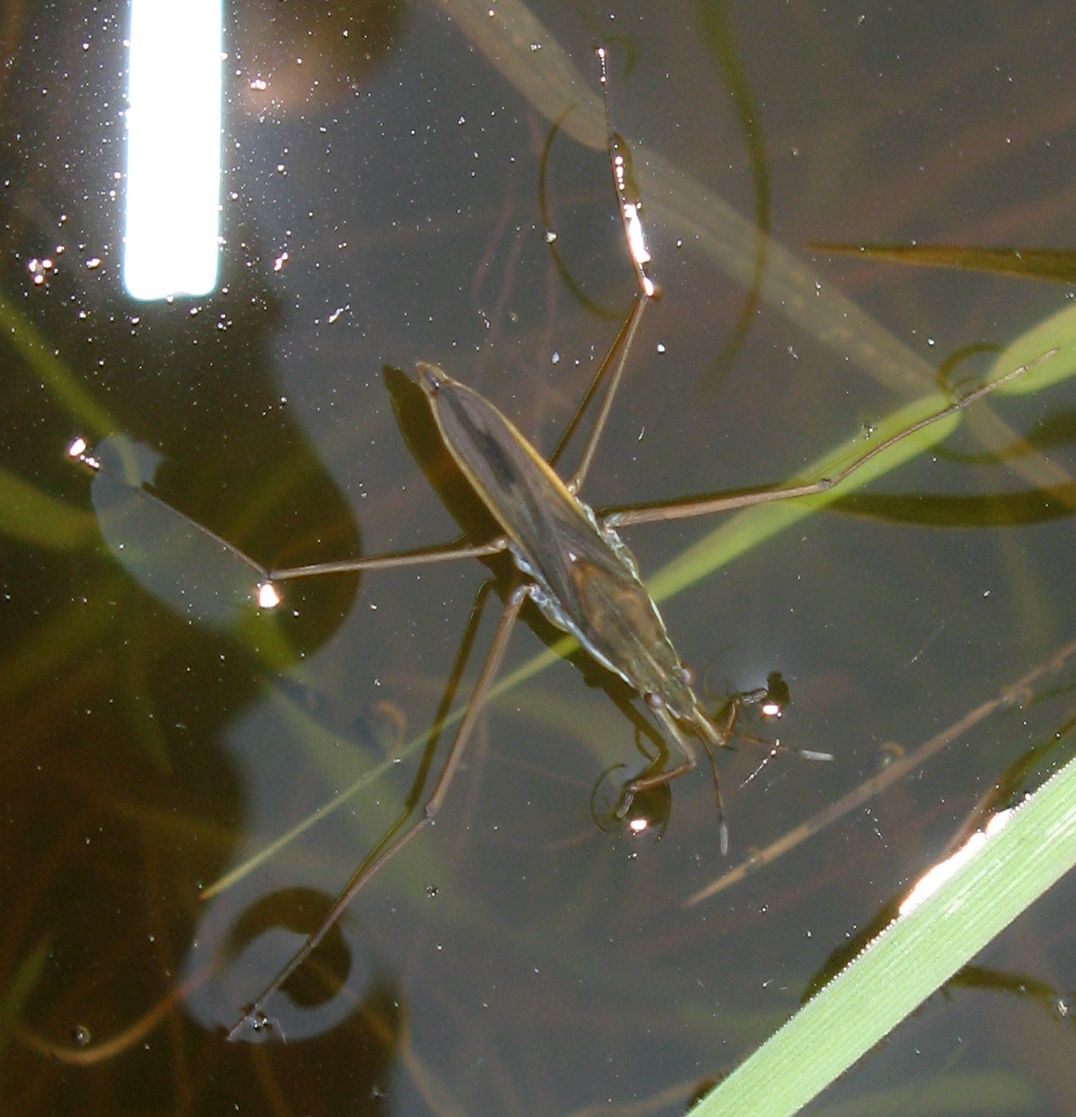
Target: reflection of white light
[935, 877]
[79, 451]
[173, 148]
[268, 598]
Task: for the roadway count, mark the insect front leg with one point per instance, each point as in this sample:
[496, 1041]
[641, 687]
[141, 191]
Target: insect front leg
[674, 736]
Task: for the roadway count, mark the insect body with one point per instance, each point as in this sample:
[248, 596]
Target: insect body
[585, 580]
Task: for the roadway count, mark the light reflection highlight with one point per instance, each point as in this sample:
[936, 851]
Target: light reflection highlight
[172, 220]
[935, 877]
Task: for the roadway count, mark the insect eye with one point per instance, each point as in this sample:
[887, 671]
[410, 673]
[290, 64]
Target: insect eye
[654, 701]
[687, 676]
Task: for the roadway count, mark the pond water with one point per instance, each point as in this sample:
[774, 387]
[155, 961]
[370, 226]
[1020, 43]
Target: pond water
[393, 173]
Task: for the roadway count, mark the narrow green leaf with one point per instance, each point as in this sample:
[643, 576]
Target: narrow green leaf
[1056, 332]
[910, 960]
[43, 360]
[1047, 264]
[32, 516]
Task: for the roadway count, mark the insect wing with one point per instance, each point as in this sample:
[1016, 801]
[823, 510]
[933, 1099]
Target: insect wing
[549, 527]
[587, 580]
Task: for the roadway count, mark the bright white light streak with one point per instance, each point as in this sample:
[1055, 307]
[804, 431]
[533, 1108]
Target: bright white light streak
[268, 598]
[173, 148]
[937, 875]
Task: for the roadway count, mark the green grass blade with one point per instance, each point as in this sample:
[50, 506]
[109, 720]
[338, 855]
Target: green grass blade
[1056, 332]
[41, 358]
[35, 518]
[909, 961]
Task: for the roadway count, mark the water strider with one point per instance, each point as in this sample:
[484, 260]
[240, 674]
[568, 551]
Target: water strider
[570, 563]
